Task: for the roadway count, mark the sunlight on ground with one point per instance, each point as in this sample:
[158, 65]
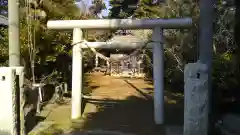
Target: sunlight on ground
[115, 104]
[170, 101]
[178, 95]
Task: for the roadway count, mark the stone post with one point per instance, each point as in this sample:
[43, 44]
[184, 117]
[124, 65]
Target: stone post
[196, 99]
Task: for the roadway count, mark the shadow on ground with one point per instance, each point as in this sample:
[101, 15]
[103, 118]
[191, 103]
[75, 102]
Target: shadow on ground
[133, 115]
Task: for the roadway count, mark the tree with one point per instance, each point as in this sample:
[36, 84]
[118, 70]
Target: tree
[122, 8]
[181, 46]
[177, 41]
[97, 7]
[49, 45]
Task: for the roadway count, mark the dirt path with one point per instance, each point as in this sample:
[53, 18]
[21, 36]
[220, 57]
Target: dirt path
[113, 104]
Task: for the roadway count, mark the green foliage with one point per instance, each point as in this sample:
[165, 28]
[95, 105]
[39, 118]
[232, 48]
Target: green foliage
[225, 63]
[51, 46]
[181, 46]
[122, 8]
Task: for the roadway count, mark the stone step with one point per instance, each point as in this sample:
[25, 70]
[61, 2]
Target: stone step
[41, 127]
[96, 132]
[229, 124]
[174, 130]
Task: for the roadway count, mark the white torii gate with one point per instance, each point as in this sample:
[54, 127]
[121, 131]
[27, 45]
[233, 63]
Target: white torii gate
[158, 52]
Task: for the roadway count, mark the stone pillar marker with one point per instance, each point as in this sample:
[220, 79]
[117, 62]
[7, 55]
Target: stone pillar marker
[196, 99]
[8, 94]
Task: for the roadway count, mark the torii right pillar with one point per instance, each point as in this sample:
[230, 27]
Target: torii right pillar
[158, 75]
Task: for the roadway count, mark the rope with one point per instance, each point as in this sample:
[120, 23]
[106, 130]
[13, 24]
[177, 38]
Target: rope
[31, 35]
[112, 60]
[34, 45]
[28, 14]
[134, 53]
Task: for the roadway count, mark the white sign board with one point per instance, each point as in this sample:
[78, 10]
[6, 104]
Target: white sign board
[7, 78]
[9, 124]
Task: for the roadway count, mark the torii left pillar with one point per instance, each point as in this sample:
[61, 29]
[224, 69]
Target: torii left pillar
[77, 79]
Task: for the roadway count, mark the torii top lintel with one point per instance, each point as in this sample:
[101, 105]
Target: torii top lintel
[173, 23]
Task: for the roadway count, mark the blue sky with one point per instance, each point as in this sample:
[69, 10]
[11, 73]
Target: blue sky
[105, 12]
